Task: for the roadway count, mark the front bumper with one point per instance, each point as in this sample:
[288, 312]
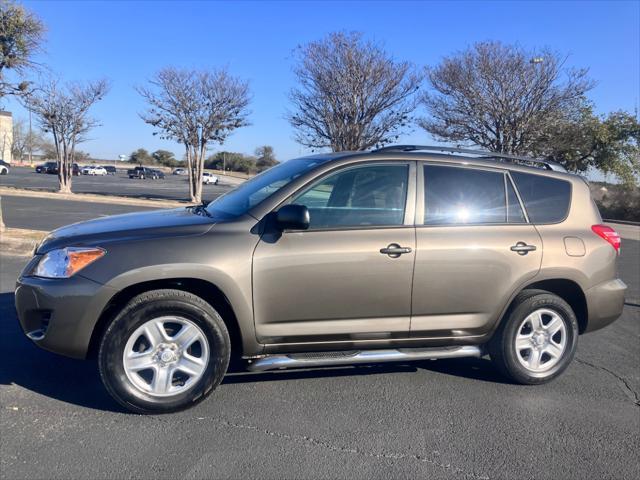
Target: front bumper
[59, 315]
[605, 302]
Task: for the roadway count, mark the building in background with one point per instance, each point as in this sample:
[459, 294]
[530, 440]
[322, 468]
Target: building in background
[6, 136]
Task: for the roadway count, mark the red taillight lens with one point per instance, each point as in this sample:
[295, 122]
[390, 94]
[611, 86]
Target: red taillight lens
[609, 234]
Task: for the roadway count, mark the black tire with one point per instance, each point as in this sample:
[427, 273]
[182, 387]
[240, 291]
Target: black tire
[502, 346]
[141, 309]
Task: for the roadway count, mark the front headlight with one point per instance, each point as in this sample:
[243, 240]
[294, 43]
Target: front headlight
[65, 262]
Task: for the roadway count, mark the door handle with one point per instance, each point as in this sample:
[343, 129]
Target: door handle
[394, 250]
[522, 248]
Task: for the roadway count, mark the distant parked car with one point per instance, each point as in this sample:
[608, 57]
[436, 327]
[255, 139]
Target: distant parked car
[159, 174]
[75, 170]
[4, 167]
[111, 170]
[48, 167]
[144, 172]
[94, 170]
[180, 171]
[208, 178]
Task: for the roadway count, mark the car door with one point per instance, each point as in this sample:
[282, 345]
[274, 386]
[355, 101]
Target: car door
[348, 277]
[474, 248]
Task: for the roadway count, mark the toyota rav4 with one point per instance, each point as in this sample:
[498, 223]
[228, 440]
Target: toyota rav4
[404, 253]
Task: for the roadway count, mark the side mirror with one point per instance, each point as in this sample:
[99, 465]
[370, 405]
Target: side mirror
[292, 217]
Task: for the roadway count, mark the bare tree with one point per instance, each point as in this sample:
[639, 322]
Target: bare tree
[24, 140]
[20, 139]
[21, 34]
[501, 97]
[63, 111]
[265, 158]
[196, 108]
[352, 95]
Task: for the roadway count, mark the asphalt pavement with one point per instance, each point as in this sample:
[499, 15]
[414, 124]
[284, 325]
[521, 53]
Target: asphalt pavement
[449, 419]
[172, 187]
[35, 213]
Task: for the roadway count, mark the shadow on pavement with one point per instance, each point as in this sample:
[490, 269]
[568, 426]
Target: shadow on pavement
[65, 379]
[78, 382]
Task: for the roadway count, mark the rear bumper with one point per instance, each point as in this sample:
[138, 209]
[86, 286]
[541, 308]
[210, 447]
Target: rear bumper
[59, 315]
[605, 302]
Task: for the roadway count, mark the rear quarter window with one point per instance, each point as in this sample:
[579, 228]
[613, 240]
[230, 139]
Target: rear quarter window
[546, 199]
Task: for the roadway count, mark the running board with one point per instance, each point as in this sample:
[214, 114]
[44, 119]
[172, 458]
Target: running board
[327, 359]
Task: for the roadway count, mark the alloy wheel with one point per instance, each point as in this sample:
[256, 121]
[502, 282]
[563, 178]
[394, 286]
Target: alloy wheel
[166, 356]
[541, 340]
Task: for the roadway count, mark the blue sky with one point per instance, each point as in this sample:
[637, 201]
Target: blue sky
[128, 41]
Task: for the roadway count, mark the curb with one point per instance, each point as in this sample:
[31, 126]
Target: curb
[92, 198]
[622, 222]
[20, 242]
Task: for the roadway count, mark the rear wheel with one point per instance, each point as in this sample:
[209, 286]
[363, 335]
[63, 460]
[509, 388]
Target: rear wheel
[165, 351]
[537, 340]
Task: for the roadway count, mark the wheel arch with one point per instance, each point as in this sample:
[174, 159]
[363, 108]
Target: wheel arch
[567, 289]
[204, 289]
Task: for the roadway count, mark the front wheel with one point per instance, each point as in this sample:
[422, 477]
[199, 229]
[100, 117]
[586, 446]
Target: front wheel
[537, 340]
[165, 351]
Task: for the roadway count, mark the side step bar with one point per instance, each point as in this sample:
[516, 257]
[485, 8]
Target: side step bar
[325, 359]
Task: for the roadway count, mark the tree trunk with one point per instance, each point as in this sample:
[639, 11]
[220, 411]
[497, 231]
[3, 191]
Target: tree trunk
[192, 192]
[2, 227]
[199, 171]
[63, 180]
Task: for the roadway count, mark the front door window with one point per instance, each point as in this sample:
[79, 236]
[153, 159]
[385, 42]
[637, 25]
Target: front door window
[366, 196]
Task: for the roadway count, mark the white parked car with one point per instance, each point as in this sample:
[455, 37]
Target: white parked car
[180, 171]
[4, 167]
[208, 178]
[94, 170]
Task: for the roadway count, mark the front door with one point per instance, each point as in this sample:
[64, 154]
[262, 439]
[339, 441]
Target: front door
[348, 277]
[474, 249]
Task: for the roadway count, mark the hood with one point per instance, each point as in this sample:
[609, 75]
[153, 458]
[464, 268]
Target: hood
[176, 222]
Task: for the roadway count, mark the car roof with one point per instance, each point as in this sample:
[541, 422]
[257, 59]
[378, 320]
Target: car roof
[452, 155]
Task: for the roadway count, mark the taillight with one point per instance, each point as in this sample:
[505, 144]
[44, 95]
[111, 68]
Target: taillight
[609, 234]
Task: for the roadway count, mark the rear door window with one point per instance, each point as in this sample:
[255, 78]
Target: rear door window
[514, 209]
[461, 196]
[546, 199]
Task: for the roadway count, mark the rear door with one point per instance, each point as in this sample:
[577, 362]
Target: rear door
[474, 248]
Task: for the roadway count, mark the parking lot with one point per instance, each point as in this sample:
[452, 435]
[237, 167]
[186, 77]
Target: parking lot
[441, 419]
[172, 187]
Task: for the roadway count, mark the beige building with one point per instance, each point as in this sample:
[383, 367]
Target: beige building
[6, 136]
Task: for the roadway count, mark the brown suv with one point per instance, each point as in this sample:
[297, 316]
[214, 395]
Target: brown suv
[403, 253]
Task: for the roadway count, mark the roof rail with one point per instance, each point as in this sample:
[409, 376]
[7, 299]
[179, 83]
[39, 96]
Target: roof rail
[546, 164]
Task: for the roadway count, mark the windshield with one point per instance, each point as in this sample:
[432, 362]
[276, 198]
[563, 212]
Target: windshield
[250, 193]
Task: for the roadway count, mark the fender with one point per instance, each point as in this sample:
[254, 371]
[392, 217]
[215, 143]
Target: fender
[231, 287]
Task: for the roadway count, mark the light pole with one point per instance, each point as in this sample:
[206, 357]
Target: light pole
[28, 93]
[30, 142]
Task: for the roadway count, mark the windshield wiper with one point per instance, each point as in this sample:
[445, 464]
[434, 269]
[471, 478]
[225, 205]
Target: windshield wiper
[200, 209]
